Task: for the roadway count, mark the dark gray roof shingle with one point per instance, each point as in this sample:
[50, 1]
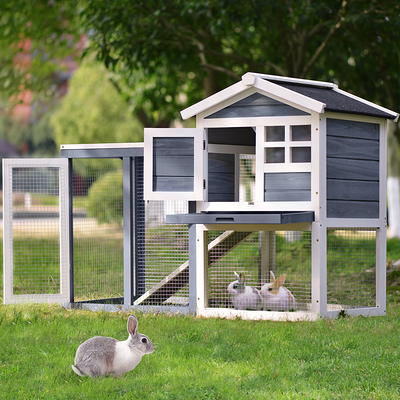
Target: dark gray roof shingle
[334, 101]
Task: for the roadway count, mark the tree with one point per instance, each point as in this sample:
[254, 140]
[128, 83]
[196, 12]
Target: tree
[38, 39]
[93, 112]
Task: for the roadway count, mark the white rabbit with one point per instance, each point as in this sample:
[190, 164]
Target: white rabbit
[275, 296]
[244, 297]
[100, 355]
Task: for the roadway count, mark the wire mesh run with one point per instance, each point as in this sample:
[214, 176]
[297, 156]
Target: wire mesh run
[36, 230]
[166, 255]
[268, 271]
[98, 230]
[351, 261]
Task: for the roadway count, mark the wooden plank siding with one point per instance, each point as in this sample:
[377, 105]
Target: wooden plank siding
[221, 177]
[287, 186]
[173, 164]
[257, 105]
[352, 169]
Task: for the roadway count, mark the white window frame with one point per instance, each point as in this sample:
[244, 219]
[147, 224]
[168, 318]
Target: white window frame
[200, 163]
[64, 295]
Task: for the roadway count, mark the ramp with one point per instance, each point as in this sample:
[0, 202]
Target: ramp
[179, 278]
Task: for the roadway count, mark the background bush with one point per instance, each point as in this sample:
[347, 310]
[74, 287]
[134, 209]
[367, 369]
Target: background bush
[105, 201]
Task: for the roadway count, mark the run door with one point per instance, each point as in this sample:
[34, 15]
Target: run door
[35, 231]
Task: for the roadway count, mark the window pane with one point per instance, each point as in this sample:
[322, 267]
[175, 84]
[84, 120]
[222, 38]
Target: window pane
[275, 155]
[275, 134]
[301, 133]
[301, 154]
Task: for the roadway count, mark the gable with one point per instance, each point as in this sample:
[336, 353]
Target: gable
[257, 105]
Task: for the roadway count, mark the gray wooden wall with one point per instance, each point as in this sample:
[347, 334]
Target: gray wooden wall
[352, 169]
[221, 177]
[287, 186]
[173, 164]
[256, 105]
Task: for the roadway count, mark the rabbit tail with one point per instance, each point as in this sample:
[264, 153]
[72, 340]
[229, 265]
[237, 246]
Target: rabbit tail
[77, 370]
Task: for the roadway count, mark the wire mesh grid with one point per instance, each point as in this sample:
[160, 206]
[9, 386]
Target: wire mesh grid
[166, 254]
[247, 173]
[36, 230]
[98, 229]
[351, 260]
[240, 264]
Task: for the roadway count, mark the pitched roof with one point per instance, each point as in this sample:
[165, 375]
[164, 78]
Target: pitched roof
[314, 96]
[336, 101]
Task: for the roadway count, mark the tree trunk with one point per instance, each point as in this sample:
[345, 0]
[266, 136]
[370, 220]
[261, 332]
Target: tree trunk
[393, 184]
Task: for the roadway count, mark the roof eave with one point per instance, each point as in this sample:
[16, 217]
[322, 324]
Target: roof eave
[251, 80]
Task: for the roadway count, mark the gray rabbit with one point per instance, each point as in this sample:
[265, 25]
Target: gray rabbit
[244, 297]
[101, 356]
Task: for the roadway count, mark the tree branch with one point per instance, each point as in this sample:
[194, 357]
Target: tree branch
[323, 44]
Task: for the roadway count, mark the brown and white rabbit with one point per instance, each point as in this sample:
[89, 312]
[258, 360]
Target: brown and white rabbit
[275, 296]
[244, 297]
[101, 356]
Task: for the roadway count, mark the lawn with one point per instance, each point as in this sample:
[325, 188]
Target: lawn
[349, 358]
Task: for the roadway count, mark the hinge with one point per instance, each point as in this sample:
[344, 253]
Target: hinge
[204, 183]
[204, 144]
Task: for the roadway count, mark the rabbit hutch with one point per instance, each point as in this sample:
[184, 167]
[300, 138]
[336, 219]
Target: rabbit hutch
[286, 184]
[272, 207]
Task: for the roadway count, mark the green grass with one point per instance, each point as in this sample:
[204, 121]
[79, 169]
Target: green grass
[350, 358]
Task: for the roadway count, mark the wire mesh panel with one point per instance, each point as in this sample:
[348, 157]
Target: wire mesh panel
[36, 264]
[351, 260]
[247, 177]
[166, 255]
[259, 270]
[98, 229]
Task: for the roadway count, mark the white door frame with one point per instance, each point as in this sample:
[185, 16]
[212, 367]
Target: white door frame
[8, 260]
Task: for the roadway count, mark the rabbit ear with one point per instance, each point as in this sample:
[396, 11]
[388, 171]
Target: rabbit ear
[239, 276]
[271, 276]
[281, 280]
[132, 325]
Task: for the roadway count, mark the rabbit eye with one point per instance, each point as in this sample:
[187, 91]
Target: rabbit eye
[144, 340]
[270, 289]
[235, 286]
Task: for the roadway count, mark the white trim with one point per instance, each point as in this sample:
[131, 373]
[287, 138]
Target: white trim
[288, 96]
[256, 206]
[289, 80]
[354, 223]
[201, 266]
[231, 149]
[8, 279]
[259, 178]
[319, 268]
[242, 89]
[287, 167]
[200, 164]
[213, 99]
[319, 175]
[369, 103]
[354, 312]
[229, 313]
[252, 121]
[353, 117]
[101, 146]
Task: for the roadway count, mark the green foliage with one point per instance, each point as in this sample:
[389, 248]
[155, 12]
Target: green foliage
[196, 47]
[94, 112]
[202, 358]
[35, 36]
[105, 201]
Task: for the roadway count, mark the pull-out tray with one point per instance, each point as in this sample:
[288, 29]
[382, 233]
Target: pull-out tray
[242, 218]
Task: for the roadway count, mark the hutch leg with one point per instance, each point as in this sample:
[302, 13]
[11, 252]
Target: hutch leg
[319, 269]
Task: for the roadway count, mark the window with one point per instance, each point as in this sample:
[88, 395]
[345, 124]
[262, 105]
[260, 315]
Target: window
[287, 144]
